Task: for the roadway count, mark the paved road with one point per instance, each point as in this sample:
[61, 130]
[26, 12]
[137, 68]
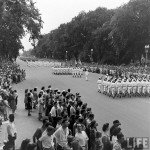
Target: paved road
[132, 113]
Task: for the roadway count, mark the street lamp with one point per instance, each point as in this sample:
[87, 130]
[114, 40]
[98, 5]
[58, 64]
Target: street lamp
[146, 52]
[66, 55]
[91, 55]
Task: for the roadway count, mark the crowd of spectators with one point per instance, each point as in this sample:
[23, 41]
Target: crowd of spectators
[68, 123]
[10, 73]
[118, 70]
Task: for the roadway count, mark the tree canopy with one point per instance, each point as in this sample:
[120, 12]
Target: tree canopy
[17, 17]
[116, 36]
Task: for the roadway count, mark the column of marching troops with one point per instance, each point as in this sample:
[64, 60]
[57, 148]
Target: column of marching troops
[42, 63]
[132, 85]
[57, 68]
[135, 85]
[74, 71]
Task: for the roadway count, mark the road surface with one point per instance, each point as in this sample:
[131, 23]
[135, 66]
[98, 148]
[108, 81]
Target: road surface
[133, 113]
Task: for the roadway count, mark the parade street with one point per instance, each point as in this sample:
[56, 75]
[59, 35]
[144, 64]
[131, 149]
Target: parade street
[133, 113]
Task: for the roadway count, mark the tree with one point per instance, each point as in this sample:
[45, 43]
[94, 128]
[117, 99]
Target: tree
[131, 30]
[18, 17]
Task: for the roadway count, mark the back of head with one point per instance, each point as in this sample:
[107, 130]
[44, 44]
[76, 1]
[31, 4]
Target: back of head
[24, 144]
[45, 120]
[11, 117]
[98, 134]
[31, 146]
[105, 127]
[120, 136]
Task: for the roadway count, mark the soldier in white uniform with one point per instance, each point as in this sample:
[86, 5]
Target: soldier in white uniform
[99, 82]
[86, 75]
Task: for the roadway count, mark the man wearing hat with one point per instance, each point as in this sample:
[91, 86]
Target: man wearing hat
[116, 124]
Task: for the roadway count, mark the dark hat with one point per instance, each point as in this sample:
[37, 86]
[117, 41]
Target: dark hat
[91, 115]
[116, 122]
[88, 109]
[58, 92]
[93, 123]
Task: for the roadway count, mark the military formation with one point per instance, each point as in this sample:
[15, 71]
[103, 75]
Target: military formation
[75, 72]
[42, 64]
[123, 86]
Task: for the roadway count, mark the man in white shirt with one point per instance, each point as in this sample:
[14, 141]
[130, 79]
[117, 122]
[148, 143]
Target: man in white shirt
[53, 114]
[11, 131]
[47, 139]
[99, 82]
[86, 75]
[81, 137]
[72, 109]
[61, 135]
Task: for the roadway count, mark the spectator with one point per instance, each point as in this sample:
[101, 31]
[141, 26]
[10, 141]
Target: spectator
[116, 123]
[98, 143]
[53, 113]
[24, 144]
[35, 98]
[61, 135]
[59, 121]
[116, 131]
[11, 131]
[82, 137]
[39, 131]
[41, 105]
[117, 144]
[29, 104]
[105, 137]
[12, 102]
[47, 139]
[73, 143]
[25, 98]
[92, 136]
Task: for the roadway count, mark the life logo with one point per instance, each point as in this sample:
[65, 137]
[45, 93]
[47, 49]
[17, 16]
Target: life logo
[138, 142]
